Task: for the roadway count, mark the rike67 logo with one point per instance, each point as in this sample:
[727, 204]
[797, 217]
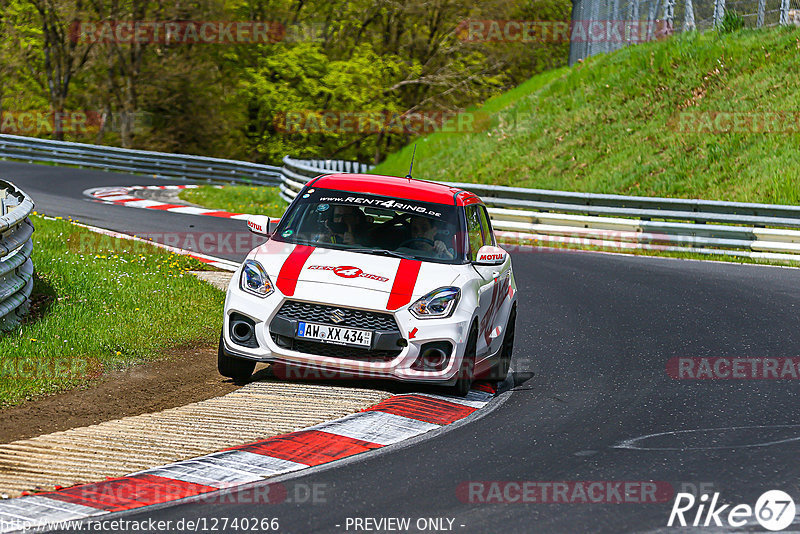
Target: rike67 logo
[774, 510]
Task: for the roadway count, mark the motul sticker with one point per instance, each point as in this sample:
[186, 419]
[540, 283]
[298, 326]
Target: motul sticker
[348, 272]
[491, 257]
[255, 226]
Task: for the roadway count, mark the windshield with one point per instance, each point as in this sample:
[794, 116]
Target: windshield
[374, 225]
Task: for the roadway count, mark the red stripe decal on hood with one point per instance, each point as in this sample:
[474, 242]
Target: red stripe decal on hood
[404, 282]
[290, 272]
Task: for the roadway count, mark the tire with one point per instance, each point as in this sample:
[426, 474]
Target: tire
[237, 368]
[467, 370]
[500, 369]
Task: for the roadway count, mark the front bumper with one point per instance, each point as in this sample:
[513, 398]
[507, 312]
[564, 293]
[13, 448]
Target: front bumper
[396, 352]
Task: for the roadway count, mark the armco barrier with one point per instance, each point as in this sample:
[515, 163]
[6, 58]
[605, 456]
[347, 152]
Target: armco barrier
[563, 218]
[295, 173]
[16, 265]
[160, 164]
[530, 215]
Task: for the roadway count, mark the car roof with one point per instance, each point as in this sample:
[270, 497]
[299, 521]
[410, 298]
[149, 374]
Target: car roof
[396, 187]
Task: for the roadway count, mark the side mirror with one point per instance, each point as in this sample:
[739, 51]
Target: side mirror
[262, 225]
[489, 255]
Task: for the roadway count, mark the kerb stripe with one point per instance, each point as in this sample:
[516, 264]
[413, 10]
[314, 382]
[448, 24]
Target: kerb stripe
[422, 408]
[129, 492]
[310, 447]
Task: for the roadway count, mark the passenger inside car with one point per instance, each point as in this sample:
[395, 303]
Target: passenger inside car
[426, 235]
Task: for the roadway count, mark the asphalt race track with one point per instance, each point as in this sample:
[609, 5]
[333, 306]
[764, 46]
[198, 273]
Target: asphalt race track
[58, 191]
[596, 332]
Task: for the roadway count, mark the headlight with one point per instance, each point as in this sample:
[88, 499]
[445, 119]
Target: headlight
[437, 304]
[255, 279]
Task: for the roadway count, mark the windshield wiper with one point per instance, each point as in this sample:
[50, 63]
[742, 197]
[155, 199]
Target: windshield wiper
[380, 252]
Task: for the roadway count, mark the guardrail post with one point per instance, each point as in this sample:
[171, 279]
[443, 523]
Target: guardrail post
[719, 12]
[784, 12]
[669, 14]
[688, 17]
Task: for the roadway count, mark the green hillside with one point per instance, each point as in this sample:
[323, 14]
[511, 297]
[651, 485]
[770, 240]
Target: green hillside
[651, 119]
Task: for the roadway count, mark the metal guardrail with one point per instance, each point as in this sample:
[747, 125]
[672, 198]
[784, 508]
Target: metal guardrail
[16, 265]
[564, 219]
[181, 166]
[538, 216]
[295, 173]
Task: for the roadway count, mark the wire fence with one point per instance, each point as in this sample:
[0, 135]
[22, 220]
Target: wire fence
[600, 26]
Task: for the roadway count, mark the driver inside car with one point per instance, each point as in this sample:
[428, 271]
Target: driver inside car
[424, 233]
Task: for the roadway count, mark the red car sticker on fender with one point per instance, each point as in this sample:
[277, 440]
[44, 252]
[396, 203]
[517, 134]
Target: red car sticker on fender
[404, 282]
[290, 272]
[499, 293]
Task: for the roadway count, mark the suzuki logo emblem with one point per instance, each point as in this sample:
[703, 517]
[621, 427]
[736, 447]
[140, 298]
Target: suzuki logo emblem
[337, 316]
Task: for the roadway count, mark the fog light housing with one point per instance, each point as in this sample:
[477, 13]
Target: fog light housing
[242, 330]
[433, 356]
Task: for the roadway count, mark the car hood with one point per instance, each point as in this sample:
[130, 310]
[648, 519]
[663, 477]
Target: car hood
[306, 272]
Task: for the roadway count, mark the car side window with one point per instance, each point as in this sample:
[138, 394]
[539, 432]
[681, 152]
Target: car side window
[474, 231]
[486, 227]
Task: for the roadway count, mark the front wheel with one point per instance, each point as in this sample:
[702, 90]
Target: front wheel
[467, 370]
[500, 369]
[237, 368]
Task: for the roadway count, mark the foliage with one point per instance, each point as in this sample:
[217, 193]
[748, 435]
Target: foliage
[731, 22]
[227, 99]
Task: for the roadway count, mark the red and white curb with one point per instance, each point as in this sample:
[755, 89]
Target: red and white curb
[393, 420]
[122, 196]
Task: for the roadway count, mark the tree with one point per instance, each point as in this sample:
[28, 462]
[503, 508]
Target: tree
[50, 56]
[415, 61]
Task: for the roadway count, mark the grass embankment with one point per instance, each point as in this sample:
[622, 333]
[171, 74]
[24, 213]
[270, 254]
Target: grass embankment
[238, 199]
[652, 120]
[621, 123]
[100, 304]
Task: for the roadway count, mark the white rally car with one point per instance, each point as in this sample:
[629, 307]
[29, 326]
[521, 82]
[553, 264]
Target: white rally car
[375, 276]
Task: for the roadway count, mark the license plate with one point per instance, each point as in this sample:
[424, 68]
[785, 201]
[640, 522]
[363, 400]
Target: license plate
[336, 335]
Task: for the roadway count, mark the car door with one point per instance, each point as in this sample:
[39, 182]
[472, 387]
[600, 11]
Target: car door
[476, 233]
[501, 275]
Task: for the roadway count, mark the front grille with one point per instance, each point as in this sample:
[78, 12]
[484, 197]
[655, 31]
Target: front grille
[348, 317]
[320, 313]
[338, 351]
